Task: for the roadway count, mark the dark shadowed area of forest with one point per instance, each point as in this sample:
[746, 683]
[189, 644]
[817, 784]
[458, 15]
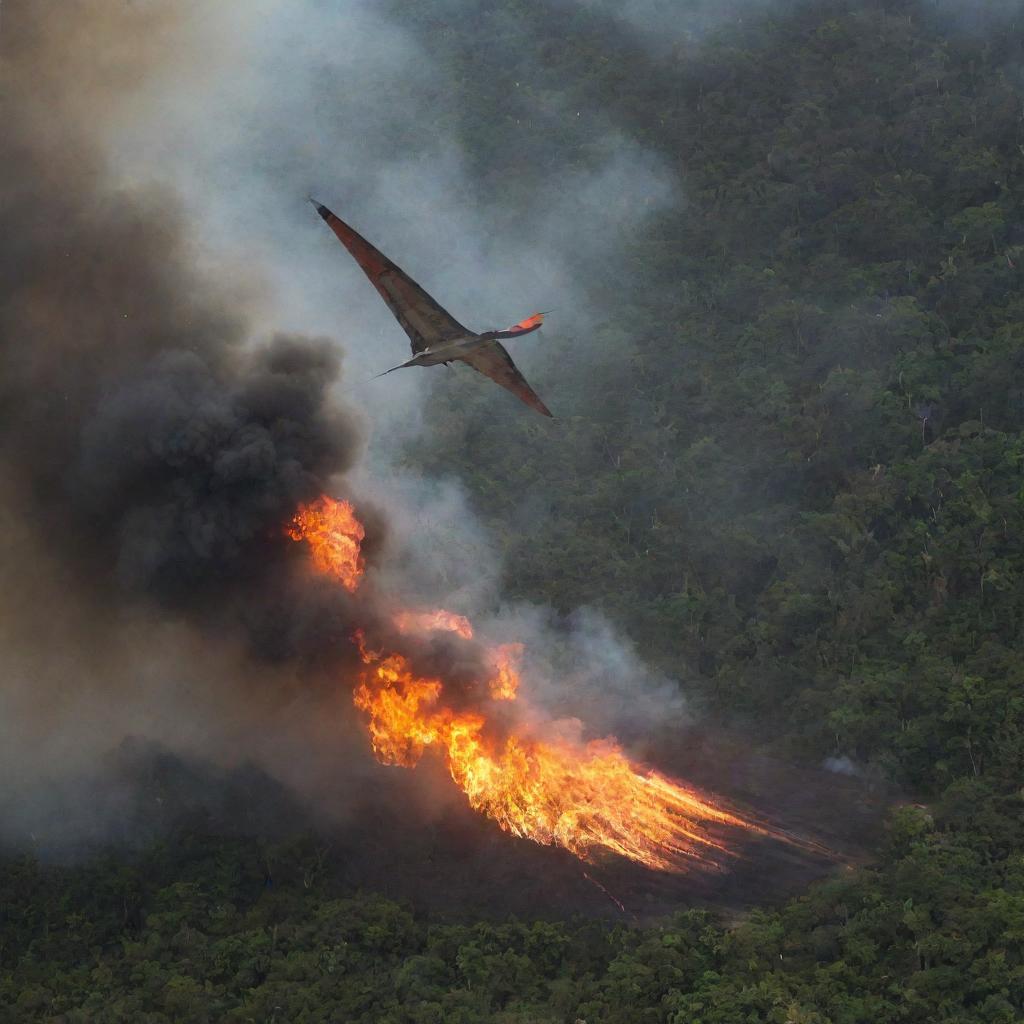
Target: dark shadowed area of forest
[792, 474]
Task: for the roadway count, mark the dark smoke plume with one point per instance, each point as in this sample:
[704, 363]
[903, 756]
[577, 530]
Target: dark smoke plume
[152, 446]
[154, 441]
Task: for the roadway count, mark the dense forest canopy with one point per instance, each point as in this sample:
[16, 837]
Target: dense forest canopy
[791, 473]
[775, 474]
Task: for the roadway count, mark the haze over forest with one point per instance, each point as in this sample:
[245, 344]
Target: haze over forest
[771, 539]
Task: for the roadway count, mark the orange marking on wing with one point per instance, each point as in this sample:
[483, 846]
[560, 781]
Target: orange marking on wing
[530, 322]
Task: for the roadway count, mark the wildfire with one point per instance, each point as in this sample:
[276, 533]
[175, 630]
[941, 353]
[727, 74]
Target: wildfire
[334, 536]
[505, 658]
[505, 683]
[580, 796]
[439, 619]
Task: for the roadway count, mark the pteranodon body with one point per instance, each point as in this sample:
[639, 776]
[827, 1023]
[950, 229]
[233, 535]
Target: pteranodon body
[436, 336]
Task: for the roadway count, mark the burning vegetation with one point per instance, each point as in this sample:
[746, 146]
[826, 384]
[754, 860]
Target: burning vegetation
[423, 622]
[581, 796]
[334, 536]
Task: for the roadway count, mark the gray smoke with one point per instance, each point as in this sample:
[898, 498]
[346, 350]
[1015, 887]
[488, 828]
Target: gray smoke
[349, 104]
[161, 436]
[152, 442]
[161, 416]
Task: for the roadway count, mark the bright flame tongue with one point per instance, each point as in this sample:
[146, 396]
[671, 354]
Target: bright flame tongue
[439, 619]
[579, 798]
[504, 685]
[334, 536]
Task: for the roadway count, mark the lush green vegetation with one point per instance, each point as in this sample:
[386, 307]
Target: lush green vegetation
[817, 507]
[815, 516]
[194, 932]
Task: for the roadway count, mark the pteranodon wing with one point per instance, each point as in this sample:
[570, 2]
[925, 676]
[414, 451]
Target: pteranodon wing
[426, 323]
[491, 359]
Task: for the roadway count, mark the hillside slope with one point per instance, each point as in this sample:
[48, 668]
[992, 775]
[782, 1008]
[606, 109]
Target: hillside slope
[791, 472]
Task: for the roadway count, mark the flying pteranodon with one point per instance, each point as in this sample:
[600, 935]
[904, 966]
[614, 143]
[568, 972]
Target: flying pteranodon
[436, 336]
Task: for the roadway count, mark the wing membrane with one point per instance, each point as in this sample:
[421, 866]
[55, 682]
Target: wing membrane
[422, 318]
[491, 359]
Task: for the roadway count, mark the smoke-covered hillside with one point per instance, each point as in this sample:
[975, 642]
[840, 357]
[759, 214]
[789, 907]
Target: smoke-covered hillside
[771, 538]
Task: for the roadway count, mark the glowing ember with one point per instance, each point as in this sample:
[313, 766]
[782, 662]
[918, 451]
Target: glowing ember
[334, 536]
[425, 622]
[577, 797]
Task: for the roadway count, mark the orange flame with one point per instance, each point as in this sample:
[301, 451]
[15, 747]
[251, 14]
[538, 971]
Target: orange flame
[424, 622]
[583, 797]
[505, 685]
[334, 535]
[505, 657]
[579, 797]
